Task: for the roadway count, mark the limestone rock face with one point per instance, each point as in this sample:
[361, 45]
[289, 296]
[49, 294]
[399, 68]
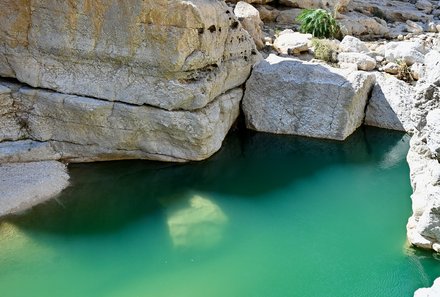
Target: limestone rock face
[167, 53]
[390, 104]
[10, 126]
[357, 24]
[79, 129]
[250, 19]
[424, 5]
[339, 4]
[424, 161]
[391, 10]
[25, 185]
[288, 96]
[122, 79]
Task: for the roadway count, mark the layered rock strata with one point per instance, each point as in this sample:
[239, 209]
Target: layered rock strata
[169, 54]
[136, 79]
[47, 125]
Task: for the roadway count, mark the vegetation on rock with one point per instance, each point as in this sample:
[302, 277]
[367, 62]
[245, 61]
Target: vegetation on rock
[325, 50]
[404, 72]
[319, 22]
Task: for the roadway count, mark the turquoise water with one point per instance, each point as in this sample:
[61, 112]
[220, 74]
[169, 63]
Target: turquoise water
[266, 216]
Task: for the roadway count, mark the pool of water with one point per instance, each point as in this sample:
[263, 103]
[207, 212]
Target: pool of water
[266, 216]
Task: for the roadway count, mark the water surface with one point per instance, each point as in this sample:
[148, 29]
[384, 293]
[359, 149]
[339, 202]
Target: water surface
[267, 216]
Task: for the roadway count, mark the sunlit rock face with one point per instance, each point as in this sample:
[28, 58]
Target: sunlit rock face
[170, 54]
[54, 126]
[201, 224]
[114, 80]
[288, 96]
[424, 159]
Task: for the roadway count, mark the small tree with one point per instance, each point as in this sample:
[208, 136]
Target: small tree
[318, 22]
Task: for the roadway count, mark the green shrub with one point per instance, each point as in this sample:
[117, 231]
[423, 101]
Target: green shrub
[318, 22]
[325, 50]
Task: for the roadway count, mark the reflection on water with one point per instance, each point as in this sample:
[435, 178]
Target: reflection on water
[268, 216]
[199, 225]
[396, 153]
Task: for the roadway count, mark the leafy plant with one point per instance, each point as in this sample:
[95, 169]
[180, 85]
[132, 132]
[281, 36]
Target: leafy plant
[325, 50]
[318, 22]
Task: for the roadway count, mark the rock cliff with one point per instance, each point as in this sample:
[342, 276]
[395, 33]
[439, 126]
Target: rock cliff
[424, 159]
[115, 80]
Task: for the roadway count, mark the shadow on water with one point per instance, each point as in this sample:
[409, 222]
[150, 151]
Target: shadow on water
[104, 197]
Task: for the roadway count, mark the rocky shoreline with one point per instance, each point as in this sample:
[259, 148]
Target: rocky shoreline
[142, 80]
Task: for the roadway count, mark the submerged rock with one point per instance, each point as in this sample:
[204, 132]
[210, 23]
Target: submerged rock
[23, 185]
[288, 96]
[199, 225]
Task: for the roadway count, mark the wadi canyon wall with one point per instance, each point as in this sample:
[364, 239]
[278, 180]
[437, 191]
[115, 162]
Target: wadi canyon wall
[103, 80]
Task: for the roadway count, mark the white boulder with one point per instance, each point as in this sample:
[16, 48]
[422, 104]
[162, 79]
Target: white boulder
[288, 96]
[363, 61]
[353, 45]
[289, 42]
[409, 52]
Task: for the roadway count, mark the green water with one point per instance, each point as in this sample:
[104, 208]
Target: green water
[267, 216]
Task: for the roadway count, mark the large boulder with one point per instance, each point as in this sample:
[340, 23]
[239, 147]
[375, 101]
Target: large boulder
[390, 104]
[289, 42]
[288, 96]
[78, 129]
[167, 53]
[352, 44]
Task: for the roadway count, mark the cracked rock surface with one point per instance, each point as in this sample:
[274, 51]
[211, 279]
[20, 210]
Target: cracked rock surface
[169, 54]
[54, 126]
[109, 80]
[288, 96]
